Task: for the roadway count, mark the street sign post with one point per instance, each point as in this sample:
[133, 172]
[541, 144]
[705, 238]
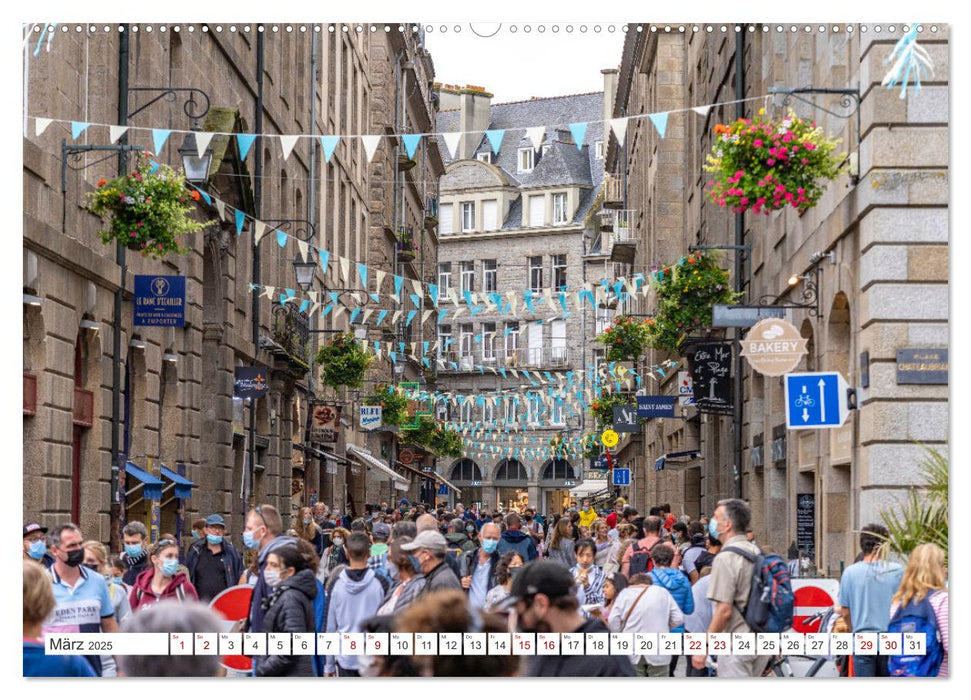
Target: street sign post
[727, 316]
[816, 400]
[621, 477]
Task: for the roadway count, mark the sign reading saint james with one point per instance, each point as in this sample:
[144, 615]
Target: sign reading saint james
[773, 347]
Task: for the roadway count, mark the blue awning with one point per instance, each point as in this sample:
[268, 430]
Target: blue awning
[183, 487]
[153, 486]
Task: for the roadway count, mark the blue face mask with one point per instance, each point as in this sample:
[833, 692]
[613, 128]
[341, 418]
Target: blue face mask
[415, 563]
[170, 566]
[117, 580]
[713, 529]
[37, 549]
[214, 539]
[196, 535]
[307, 521]
[133, 550]
[249, 540]
[490, 546]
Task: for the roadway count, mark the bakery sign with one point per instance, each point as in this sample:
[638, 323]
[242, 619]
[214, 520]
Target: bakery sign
[773, 347]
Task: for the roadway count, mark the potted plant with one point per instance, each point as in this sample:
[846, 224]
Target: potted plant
[685, 295]
[343, 362]
[433, 435]
[406, 243]
[766, 164]
[626, 340]
[393, 403]
[149, 209]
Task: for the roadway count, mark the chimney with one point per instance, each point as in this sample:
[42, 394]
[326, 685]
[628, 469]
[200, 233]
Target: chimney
[474, 108]
[610, 93]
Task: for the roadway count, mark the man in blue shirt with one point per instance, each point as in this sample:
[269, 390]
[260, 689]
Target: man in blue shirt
[866, 590]
[83, 600]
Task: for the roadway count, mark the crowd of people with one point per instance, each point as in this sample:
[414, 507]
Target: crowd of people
[414, 568]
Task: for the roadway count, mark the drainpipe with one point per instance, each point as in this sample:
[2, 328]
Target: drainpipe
[115, 514]
[311, 216]
[739, 274]
[257, 199]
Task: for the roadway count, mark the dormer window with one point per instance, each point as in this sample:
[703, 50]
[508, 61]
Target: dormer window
[484, 157]
[546, 148]
[600, 149]
[525, 160]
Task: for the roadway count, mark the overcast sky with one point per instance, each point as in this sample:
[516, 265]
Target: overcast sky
[518, 65]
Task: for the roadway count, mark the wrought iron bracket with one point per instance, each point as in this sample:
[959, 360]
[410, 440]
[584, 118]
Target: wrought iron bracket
[850, 99]
[809, 296]
[193, 109]
[304, 229]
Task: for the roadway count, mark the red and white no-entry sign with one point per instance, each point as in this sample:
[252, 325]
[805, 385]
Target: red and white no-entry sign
[813, 596]
[232, 605]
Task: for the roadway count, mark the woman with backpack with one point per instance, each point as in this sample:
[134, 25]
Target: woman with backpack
[922, 599]
[163, 580]
[288, 609]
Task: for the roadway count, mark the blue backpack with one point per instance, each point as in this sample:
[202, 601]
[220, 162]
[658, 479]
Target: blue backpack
[771, 600]
[916, 618]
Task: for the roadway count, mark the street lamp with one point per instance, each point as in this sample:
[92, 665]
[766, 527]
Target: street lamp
[304, 270]
[195, 164]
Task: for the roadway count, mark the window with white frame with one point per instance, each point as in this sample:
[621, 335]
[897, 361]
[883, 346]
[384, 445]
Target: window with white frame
[484, 157]
[508, 411]
[599, 355]
[465, 411]
[488, 342]
[468, 275]
[559, 272]
[536, 273]
[512, 340]
[600, 149]
[444, 279]
[445, 219]
[560, 215]
[465, 343]
[604, 317]
[468, 216]
[489, 274]
[525, 160]
[488, 411]
[556, 412]
[558, 340]
[441, 409]
[537, 210]
[533, 409]
[444, 341]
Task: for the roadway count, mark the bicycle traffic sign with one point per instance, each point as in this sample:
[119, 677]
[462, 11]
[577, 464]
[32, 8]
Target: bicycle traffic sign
[816, 400]
[621, 477]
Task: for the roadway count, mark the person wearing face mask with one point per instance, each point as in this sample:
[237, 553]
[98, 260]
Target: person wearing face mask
[509, 564]
[543, 598]
[428, 556]
[134, 538]
[213, 563]
[458, 542]
[410, 584]
[262, 533]
[307, 529]
[288, 608]
[83, 599]
[96, 561]
[335, 555]
[587, 514]
[515, 540]
[480, 566]
[35, 545]
[163, 581]
[587, 574]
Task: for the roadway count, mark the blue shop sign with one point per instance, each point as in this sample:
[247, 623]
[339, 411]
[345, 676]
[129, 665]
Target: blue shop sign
[159, 300]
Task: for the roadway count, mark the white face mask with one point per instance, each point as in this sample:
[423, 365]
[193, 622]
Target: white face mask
[339, 541]
[272, 577]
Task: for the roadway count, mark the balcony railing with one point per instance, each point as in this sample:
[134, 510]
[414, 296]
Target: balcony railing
[405, 243]
[621, 241]
[431, 212]
[291, 333]
[613, 192]
[514, 358]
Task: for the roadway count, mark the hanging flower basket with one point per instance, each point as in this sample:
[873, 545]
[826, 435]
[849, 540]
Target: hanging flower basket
[685, 295]
[149, 209]
[393, 403]
[626, 340]
[434, 436]
[764, 165]
[343, 362]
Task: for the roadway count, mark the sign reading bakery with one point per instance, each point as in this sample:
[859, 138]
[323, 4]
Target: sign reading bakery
[773, 347]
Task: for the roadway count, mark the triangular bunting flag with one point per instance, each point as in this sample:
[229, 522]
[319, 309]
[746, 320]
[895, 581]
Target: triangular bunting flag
[221, 208]
[379, 280]
[259, 230]
[703, 111]
[281, 239]
[77, 128]
[452, 139]
[535, 134]
[41, 124]
[244, 141]
[287, 143]
[362, 273]
[240, 220]
[345, 269]
[159, 137]
[329, 144]
[202, 141]
[660, 121]
[411, 142]
[495, 138]
[619, 127]
[579, 130]
[370, 144]
[304, 249]
[324, 259]
[116, 132]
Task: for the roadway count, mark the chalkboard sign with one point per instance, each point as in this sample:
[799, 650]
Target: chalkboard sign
[711, 374]
[806, 524]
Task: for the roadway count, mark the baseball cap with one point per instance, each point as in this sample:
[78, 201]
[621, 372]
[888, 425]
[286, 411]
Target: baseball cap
[550, 578]
[381, 530]
[429, 539]
[215, 519]
[33, 527]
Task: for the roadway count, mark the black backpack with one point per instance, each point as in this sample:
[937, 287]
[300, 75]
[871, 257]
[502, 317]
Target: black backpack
[640, 561]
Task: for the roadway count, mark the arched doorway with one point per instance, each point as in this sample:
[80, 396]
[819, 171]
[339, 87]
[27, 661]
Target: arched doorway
[838, 509]
[467, 475]
[556, 479]
[511, 480]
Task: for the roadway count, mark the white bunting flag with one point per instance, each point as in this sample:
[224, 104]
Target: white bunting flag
[41, 124]
[304, 248]
[459, 310]
[416, 285]
[268, 292]
[452, 296]
[396, 317]
[116, 132]
[703, 111]
[315, 299]
[619, 127]
[379, 280]
[259, 230]
[425, 315]
[287, 142]
[535, 134]
[338, 310]
[514, 302]
[220, 207]
[345, 269]
[550, 301]
[452, 139]
[202, 141]
[367, 314]
[370, 144]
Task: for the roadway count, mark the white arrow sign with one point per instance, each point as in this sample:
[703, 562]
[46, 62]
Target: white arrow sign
[822, 401]
[805, 415]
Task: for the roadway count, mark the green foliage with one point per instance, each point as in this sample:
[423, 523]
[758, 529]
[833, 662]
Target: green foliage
[149, 211]
[432, 435]
[685, 294]
[625, 340]
[343, 362]
[765, 164]
[922, 517]
[393, 402]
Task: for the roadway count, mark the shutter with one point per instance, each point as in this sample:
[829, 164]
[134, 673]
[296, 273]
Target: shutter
[445, 219]
[537, 210]
[535, 343]
[559, 341]
[490, 212]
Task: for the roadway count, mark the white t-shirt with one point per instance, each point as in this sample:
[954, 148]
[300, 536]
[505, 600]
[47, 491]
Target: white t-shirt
[655, 611]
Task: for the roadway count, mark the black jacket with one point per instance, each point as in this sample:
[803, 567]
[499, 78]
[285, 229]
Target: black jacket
[581, 666]
[290, 608]
[442, 578]
[471, 562]
[232, 562]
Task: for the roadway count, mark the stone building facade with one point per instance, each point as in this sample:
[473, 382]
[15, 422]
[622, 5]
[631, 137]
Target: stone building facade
[177, 384]
[514, 220]
[878, 243]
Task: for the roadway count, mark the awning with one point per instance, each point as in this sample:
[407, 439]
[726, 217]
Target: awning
[369, 460]
[589, 486]
[319, 454]
[183, 487]
[678, 460]
[432, 475]
[152, 490]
